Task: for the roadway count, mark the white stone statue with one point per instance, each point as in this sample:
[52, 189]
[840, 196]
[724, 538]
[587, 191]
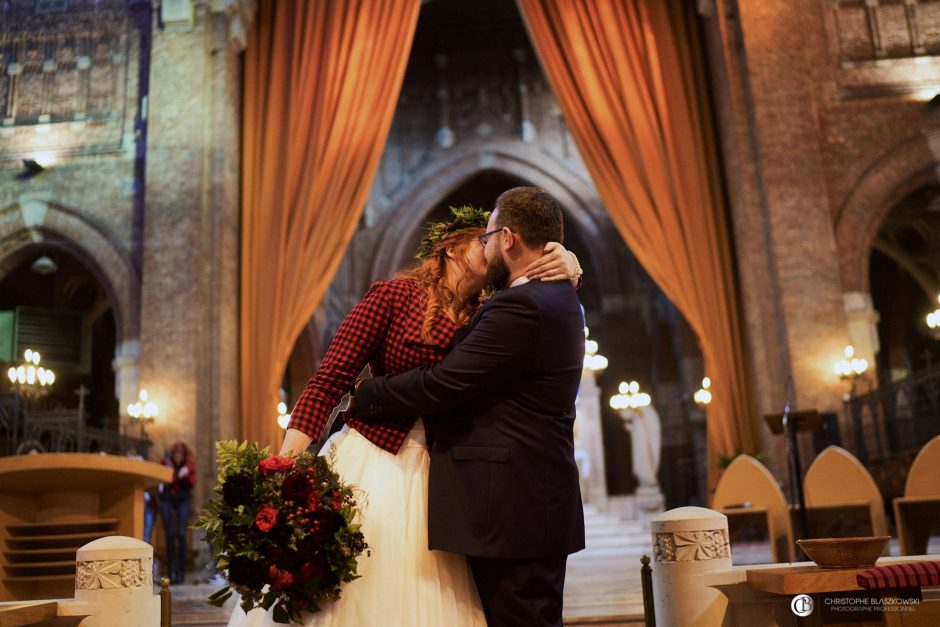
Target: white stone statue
[589, 442]
[646, 440]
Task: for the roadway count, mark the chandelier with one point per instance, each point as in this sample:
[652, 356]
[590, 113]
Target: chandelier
[29, 379]
[630, 397]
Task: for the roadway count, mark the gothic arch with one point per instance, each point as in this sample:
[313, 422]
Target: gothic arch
[33, 221]
[431, 184]
[889, 180]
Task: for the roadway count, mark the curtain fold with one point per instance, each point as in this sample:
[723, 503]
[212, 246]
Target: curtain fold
[321, 83]
[625, 74]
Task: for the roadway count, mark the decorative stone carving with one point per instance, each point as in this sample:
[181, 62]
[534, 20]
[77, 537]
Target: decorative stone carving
[113, 574]
[689, 546]
[105, 574]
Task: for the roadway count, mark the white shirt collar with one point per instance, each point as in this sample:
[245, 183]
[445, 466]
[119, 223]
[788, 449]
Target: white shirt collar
[520, 281]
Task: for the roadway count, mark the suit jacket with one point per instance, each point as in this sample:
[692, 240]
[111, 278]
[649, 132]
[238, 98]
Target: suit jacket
[503, 480]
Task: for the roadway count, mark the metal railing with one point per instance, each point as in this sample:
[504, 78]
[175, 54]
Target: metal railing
[61, 431]
[896, 419]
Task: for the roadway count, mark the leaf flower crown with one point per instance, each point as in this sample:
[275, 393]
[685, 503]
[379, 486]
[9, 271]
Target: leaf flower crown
[464, 217]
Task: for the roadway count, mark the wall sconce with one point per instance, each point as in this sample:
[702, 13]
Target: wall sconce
[703, 395]
[933, 321]
[143, 411]
[630, 397]
[592, 360]
[850, 369]
[283, 416]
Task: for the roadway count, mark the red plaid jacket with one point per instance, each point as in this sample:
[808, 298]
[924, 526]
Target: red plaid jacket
[384, 331]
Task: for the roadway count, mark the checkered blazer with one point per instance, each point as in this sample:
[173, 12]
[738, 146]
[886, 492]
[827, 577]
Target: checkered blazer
[384, 331]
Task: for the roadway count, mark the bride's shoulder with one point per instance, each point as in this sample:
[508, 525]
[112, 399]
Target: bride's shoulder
[398, 290]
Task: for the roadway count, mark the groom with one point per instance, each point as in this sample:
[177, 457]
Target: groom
[503, 480]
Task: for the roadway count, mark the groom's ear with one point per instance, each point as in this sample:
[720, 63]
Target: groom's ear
[509, 239]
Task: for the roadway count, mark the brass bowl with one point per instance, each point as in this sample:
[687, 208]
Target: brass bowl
[844, 552]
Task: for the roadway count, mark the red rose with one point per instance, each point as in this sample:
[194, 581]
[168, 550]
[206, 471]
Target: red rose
[284, 580]
[275, 463]
[337, 501]
[266, 518]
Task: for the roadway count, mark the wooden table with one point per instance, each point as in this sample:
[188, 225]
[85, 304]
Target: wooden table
[51, 504]
[789, 581]
[808, 579]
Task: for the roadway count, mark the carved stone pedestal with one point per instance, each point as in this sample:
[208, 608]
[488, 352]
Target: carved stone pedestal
[688, 543]
[115, 573]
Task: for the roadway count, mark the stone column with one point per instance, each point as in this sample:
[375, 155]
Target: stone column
[189, 313]
[115, 574]
[126, 365]
[863, 325]
[688, 543]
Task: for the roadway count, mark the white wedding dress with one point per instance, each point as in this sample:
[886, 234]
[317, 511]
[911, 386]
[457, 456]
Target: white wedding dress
[402, 582]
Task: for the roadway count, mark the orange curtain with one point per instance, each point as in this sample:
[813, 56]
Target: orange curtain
[625, 74]
[321, 83]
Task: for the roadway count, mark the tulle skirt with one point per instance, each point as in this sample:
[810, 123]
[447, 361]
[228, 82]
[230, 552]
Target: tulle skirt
[402, 582]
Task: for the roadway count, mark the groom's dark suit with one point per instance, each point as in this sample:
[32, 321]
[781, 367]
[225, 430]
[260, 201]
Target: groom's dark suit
[503, 481]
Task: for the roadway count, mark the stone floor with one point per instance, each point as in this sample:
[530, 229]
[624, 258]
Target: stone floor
[602, 588]
[603, 580]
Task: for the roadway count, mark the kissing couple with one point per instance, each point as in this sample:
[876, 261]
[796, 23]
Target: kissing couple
[462, 442]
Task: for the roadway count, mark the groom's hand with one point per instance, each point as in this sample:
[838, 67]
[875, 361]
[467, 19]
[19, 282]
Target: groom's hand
[352, 408]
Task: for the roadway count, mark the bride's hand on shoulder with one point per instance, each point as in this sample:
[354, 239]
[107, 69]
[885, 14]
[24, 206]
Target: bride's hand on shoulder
[555, 264]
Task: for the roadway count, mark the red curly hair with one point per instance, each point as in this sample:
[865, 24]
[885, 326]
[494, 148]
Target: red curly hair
[432, 271]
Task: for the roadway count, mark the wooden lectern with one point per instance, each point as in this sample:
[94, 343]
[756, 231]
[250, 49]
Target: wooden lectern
[788, 424]
[51, 504]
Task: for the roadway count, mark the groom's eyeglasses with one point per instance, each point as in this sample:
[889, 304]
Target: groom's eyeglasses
[486, 236]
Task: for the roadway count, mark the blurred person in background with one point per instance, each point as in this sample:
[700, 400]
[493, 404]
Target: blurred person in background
[176, 506]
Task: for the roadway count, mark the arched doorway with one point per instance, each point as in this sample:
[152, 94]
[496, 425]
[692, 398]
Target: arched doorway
[53, 303]
[904, 273]
[893, 421]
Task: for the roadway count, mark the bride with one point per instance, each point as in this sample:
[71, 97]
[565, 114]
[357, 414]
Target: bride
[400, 324]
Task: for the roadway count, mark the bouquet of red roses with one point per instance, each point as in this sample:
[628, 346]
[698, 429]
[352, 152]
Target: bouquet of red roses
[281, 529]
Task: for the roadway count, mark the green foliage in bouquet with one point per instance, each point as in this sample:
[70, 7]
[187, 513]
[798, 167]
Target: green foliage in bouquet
[281, 529]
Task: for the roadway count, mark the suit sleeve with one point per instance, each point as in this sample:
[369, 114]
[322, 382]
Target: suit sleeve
[497, 351]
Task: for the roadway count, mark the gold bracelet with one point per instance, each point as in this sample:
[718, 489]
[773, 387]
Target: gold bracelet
[578, 272]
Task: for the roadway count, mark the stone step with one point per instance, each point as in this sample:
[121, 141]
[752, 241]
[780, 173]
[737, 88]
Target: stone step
[632, 525]
[639, 544]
